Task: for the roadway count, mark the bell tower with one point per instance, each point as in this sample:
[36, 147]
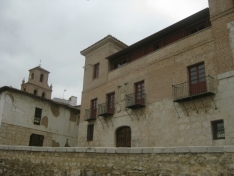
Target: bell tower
[38, 83]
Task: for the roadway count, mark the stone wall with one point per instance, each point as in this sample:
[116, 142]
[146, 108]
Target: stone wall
[179, 161]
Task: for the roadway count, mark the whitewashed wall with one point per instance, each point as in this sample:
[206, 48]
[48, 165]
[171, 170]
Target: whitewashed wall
[18, 115]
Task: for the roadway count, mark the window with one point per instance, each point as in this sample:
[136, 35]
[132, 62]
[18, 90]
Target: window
[120, 63]
[197, 79]
[36, 140]
[90, 132]
[140, 92]
[41, 77]
[93, 108]
[43, 95]
[123, 137]
[218, 129]
[32, 75]
[24, 89]
[35, 92]
[197, 27]
[37, 117]
[111, 103]
[96, 70]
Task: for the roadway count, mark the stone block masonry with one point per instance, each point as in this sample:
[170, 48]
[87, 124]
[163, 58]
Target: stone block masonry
[74, 161]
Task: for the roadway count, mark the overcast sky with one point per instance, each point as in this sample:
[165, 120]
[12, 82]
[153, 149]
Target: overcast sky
[55, 31]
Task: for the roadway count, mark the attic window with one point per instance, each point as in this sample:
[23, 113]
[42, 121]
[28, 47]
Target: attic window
[96, 71]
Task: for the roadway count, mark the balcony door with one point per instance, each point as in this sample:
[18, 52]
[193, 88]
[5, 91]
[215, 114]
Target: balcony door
[123, 137]
[197, 79]
[93, 108]
[111, 103]
[140, 93]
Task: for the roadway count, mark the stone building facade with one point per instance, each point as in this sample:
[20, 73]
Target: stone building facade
[173, 88]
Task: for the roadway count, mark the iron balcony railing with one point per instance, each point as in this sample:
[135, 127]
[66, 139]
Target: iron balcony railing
[195, 88]
[106, 109]
[135, 100]
[90, 114]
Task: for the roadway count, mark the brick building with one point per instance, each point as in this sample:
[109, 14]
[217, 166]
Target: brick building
[173, 88]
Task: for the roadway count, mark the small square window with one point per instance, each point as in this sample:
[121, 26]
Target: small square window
[218, 129]
[37, 116]
[96, 70]
[90, 132]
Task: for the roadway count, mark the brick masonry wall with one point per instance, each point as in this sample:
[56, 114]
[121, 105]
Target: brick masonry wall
[159, 124]
[174, 161]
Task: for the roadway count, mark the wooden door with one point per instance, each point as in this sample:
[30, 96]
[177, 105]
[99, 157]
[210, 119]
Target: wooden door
[140, 93]
[123, 137]
[197, 79]
[93, 108]
[111, 103]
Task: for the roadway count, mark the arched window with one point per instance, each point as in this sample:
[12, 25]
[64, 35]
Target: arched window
[35, 92]
[41, 77]
[123, 137]
[32, 75]
[43, 94]
[24, 89]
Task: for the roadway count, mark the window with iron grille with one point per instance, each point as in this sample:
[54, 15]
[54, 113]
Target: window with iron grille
[36, 140]
[90, 132]
[96, 70]
[37, 116]
[218, 129]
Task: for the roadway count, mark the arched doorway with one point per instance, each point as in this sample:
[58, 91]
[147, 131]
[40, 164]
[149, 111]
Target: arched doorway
[123, 137]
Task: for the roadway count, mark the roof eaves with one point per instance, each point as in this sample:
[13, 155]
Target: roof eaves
[101, 42]
[159, 34]
[39, 67]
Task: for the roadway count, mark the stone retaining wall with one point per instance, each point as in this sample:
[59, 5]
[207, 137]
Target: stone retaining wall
[76, 161]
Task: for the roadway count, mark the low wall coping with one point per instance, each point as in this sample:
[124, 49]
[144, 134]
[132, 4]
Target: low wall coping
[133, 150]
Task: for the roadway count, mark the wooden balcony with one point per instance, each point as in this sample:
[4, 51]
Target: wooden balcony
[199, 88]
[135, 100]
[106, 109]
